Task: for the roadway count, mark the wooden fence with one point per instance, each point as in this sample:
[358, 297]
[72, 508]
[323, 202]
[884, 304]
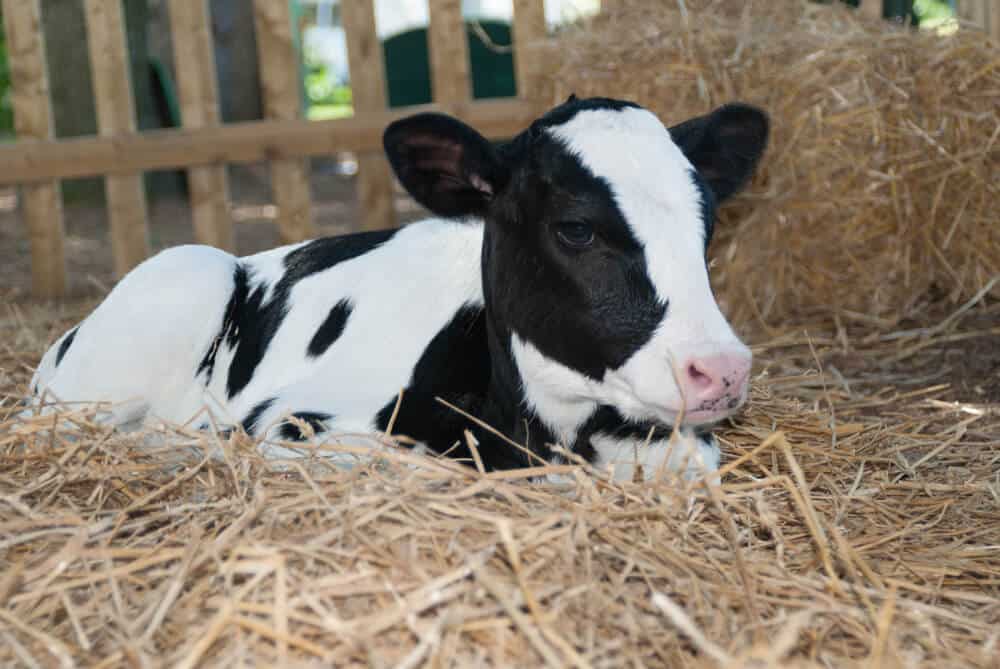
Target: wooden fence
[203, 146]
[982, 13]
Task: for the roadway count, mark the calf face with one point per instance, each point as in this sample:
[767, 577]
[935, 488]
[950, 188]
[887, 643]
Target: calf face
[594, 274]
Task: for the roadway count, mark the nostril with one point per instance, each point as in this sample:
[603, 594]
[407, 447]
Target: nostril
[698, 377]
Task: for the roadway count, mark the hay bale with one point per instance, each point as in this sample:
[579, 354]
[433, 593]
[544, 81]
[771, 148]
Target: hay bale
[880, 186]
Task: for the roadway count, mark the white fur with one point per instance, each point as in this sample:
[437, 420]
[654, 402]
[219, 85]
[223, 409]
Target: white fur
[141, 345]
[137, 350]
[400, 282]
[684, 453]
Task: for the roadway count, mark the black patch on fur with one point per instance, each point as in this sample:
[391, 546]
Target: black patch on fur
[292, 432]
[456, 367]
[255, 323]
[66, 343]
[607, 420]
[589, 309]
[250, 422]
[573, 106]
[322, 254]
[331, 329]
[227, 331]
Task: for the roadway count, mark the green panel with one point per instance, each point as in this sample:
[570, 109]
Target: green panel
[492, 72]
[408, 68]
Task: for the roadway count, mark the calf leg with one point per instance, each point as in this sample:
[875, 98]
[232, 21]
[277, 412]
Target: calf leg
[140, 349]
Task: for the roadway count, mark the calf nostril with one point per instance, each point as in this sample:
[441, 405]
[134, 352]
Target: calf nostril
[698, 377]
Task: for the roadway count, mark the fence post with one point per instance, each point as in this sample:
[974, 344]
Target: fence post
[529, 27]
[33, 120]
[871, 8]
[367, 73]
[449, 51]
[280, 78]
[982, 13]
[116, 116]
[194, 62]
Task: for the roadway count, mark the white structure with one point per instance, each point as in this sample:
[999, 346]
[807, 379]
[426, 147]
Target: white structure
[326, 40]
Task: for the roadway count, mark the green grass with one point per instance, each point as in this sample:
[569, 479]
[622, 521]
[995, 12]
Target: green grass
[326, 112]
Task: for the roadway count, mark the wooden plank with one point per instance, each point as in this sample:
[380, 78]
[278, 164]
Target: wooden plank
[280, 79]
[367, 73]
[982, 13]
[449, 52]
[871, 8]
[41, 202]
[116, 117]
[32, 161]
[529, 28]
[973, 11]
[197, 88]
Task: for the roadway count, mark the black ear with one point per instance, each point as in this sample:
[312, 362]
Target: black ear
[724, 146]
[444, 164]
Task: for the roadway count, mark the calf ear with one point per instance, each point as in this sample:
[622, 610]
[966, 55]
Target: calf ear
[724, 146]
[444, 164]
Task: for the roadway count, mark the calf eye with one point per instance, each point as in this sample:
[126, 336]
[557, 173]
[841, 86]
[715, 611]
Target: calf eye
[575, 234]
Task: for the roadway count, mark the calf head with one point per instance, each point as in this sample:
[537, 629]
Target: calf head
[597, 219]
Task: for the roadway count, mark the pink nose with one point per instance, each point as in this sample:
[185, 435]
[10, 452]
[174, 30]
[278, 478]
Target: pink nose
[716, 383]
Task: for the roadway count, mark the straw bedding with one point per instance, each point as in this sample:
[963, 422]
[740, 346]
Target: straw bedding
[880, 185]
[858, 524]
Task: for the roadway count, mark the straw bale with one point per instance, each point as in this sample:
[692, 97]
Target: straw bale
[880, 185]
[857, 526]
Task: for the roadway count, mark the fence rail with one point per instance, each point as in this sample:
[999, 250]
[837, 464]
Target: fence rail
[203, 146]
[33, 161]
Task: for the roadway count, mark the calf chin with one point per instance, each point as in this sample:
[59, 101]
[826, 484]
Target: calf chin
[685, 453]
[691, 455]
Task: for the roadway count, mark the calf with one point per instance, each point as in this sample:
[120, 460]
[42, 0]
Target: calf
[561, 296]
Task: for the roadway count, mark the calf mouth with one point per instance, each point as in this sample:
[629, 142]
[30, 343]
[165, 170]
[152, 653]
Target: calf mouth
[704, 416]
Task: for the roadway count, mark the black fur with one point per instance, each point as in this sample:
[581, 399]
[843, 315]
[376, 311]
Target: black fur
[444, 164]
[292, 432]
[255, 323]
[724, 145]
[565, 112]
[250, 422]
[542, 290]
[66, 343]
[227, 331]
[455, 366]
[331, 329]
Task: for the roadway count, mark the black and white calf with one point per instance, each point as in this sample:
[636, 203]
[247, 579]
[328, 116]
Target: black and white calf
[562, 296]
